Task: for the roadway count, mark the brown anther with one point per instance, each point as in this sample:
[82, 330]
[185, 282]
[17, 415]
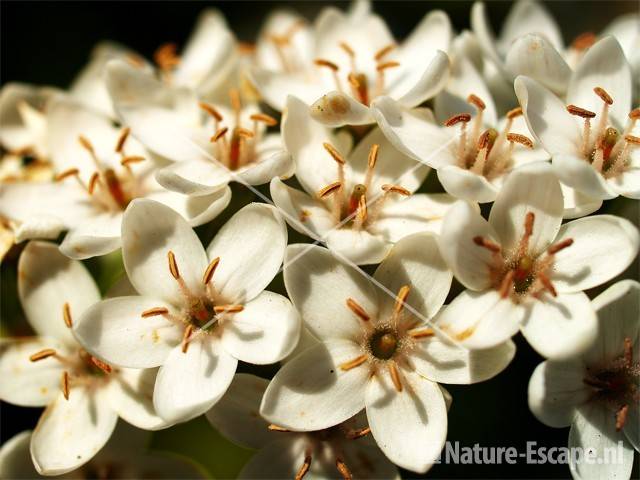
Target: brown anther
[277, 428]
[634, 114]
[555, 248]
[334, 153]
[584, 41]
[122, 139]
[343, 469]
[86, 144]
[476, 102]
[186, 336]
[356, 362]
[165, 56]
[580, 112]
[228, 309]
[210, 270]
[422, 333]
[387, 65]
[64, 384]
[42, 354]
[66, 315]
[628, 352]
[221, 132]
[359, 433]
[401, 298]
[373, 156]
[154, 312]
[71, 172]
[487, 139]
[329, 189]
[93, 181]
[105, 367]
[211, 110]
[264, 118]
[357, 309]
[514, 113]
[344, 46]
[320, 62]
[546, 283]
[302, 471]
[395, 376]
[455, 119]
[488, 244]
[521, 139]
[506, 284]
[244, 133]
[604, 96]
[131, 159]
[396, 189]
[173, 265]
[632, 139]
[529, 218]
[383, 52]
[621, 417]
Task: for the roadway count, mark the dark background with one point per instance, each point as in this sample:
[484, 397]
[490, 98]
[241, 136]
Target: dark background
[48, 42]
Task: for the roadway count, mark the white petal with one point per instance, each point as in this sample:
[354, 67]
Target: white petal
[414, 261]
[195, 210]
[535, 57]
[555, 390]
[530, 16]
[275, 87]
[70, 432]
[319, 285]
[578, 173]
[409, 426]
[578, 204]
[604, 65]
[266, 331]
[413, 133]
[272, 161]
[469, 262]
[486, 38]
[560, 327]
[603, 247]
[237, 413]
[194, 177]
[547, 117]
[357, 246]
[466, 185]
[15, 459]
[336, 109]
[282, 458]
[190, 383]
[46, 281]
[312, 392]
[251, 248]
[39, 227]
[115, 331]
[23, 124]
[593, 430]
[94, 237]
[27, 383]
[131, 396]
[530, 188]
[432, 80]
[480, 320]
[149, 231]
[628, 182]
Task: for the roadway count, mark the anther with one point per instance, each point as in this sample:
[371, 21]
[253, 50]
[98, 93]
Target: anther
[342, 468]
[389, 188]
[487, 139]
[632, 139]
[131, 159]
[64, 384]
[244, 133]
[71, 172]
[488, 244]
[166, 57]
[387, 65]
[516, 112]
[42, 354]
[584, 41]
[546, 283]
[277, 428]
[628, 352]
[320, 62]
[361, 212]
[349, 51]
[357, 309]
[634, 114]
[356, 362]
[264, 118]
[621, 417]
[173, 265]
[555, 248]
[529, 218]
[359, 433]
[106, 368]
[66, 315]
[395, 376]
[154, 312]
[383, 52]
[476, 102]
[93, 182]
[211, 110]
[186, 336]
[401, 298]
[122, 139]
[86, 144]
[521, 139]
[221, 132]
[210, 270]
[228, 309]
[580, 112]
[604, 96]
[373, 156]
[422, 333]
[329, 189]
[334, 153]
[455, 119]
[302, 471]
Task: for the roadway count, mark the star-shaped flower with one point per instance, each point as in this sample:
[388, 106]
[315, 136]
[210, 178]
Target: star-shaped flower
[377, 350]
[593, 142]
[525, 271]
[198, 312]
[598, 392]
[84, 395]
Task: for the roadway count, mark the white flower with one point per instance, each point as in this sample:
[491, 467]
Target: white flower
[377, 350]
[84, 395]
[198, 312]
[591, 139]
[210, 145]
[352, 59]
[343, 450]
[99, 171]
[523, 270]
[124, 456]
[597, 393]
[360, 202]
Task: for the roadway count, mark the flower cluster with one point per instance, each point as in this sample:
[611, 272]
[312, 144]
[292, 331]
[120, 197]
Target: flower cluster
[343, 122]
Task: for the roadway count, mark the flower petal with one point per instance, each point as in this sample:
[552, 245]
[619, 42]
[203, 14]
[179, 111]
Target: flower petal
[357, 246]
[560, 327]
[266, 331]
[194, 177]
[94, 237]
[603, 247]
[15, 459]
[272, 161]
[70, 432]
[578, 173]
[335, 109]
[431, 81]
[149, 231]
[190, 383]
[530, 188]
[319, 285]
[409, 426]
[529, 16]
[195, 210]
[47, 280]
[466, 185]
[577, 204]
[115, 331]
[312, 392]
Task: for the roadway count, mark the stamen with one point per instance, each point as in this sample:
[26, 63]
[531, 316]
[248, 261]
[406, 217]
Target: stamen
[628, 352]
[210, 270]
[166, 57]
[329, 189]
[228, 309]
[93, 182]
[356, 362]
[371, 163]
[115, 189]
[388, 188]
[219, 134]
[342, 468]
[580, 112]
[173, 265]
[528, 231]
[359, 433]
[634, 114]
[264, 118]
[602, 93]
[359, 86]
[361, 213]
[632, 139]
[546, 282]
[336, 206]
[507, 283]
[401, 299]
[131, 159]
[276, 428]
[455, 119]
[86, 144]
[521, 139]
[422, 333]
[395, 376]
[584, 41]
[66, 315]
[64, 384]
[122, 139]
[357, 309]
[621, 417]
[106, 368]
[42, 354]
[486, 243]
[304, 468]
[154, 312]
[516, 112]
[186, 336]
[334, 153]
[243, 132]
[211, 110]
[553, 249]
[476, 102]
[71, 172]
[486, 142]
[387, 65]
[380, 54]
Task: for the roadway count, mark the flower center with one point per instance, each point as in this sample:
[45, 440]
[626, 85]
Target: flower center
[383, 343]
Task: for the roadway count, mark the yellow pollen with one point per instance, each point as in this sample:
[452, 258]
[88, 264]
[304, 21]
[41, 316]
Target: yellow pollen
[66, 315]
[42, 354]
[210, 270]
